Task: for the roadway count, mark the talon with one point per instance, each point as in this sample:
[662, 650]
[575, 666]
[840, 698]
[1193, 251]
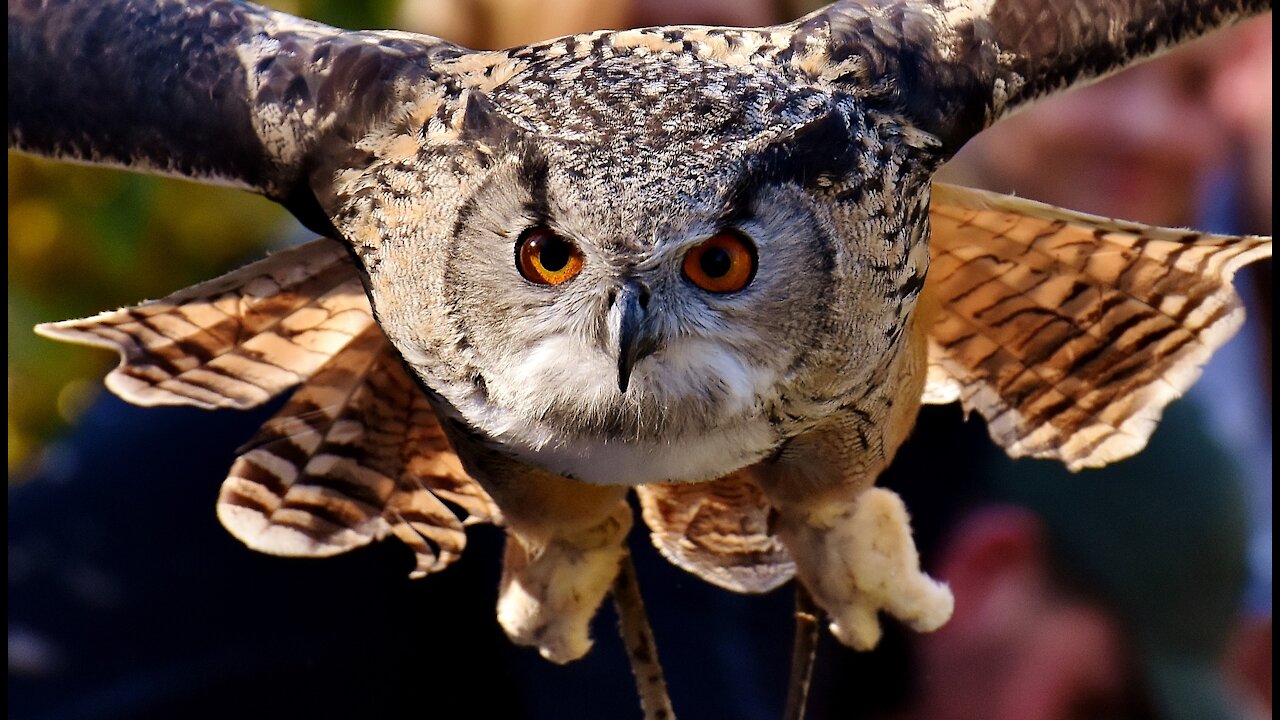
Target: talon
[858, 628]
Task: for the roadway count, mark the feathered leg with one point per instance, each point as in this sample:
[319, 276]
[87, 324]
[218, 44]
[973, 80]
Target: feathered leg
[565, 540]
[852, 542]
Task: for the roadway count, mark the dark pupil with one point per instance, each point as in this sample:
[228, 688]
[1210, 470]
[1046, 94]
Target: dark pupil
[553, 253]
[715, 262]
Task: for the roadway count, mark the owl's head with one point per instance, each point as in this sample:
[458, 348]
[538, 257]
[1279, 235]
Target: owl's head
[606, 273]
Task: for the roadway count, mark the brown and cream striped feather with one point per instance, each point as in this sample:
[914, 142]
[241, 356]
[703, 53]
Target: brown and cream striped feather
[354, 456]
[1070, 333]
[719, 531]
[236, 341]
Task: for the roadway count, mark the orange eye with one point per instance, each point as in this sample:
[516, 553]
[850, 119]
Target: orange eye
[546, 258]
[724, 263]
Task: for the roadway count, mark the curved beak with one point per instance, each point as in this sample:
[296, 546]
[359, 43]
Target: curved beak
[631, 333]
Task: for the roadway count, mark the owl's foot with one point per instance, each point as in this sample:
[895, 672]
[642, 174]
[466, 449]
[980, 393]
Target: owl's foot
[859, 558]
[550, 590]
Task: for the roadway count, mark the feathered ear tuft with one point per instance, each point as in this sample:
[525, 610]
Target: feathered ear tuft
[1070, 333]
[486, 124]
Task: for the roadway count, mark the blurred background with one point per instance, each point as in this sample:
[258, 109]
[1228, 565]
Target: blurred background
[1184, 141]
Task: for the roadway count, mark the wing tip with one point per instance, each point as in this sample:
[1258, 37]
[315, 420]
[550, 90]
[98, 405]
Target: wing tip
[122, 381]
[259, 533]
[72, 331]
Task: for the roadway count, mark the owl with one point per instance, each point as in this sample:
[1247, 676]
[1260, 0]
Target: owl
[706, 263]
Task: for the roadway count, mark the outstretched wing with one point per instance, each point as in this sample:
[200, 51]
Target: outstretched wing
[235, 341]
[354, 456]
[719, 531]
[211, 90]
[956, 66]
[1070, 333]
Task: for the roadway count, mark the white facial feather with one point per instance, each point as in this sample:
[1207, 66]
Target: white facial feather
[528, 394]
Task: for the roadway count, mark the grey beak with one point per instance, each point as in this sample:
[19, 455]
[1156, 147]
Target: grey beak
[634, 340]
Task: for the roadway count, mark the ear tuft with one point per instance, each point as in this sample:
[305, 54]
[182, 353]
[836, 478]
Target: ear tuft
[486, 124]
[819, 149]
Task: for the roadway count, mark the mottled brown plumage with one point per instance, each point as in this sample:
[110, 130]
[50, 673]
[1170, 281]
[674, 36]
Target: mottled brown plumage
[778, 404]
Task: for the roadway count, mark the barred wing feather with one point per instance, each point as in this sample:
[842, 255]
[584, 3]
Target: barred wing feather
[718, 531]
[354, 456]
[1070, 333]
[235, 341]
